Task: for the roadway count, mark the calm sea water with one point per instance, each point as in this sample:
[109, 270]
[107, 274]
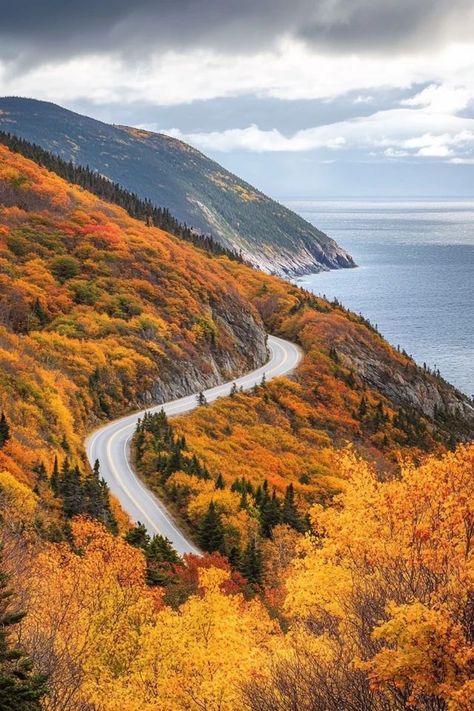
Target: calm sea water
[415, 278]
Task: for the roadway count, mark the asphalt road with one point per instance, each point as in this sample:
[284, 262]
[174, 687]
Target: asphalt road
[110, 445]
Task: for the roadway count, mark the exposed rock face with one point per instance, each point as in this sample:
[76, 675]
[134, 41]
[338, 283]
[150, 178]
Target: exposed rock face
[240, 346]
[172, 174]
[306, 258]
[410, 387]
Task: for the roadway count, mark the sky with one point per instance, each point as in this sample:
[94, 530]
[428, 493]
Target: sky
[308, 98]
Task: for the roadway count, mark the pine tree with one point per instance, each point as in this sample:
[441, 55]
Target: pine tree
[211, 531]
[258, 496]
[243, 500]
[251, 565]
[174, 462]
[234, 557]
[40, 470]
[83, 495]
[362, 407]
[201, 398]
[4, 430]
[333, 354]
[220, 483]
[160, 550]
[138, 537]
[20, 688]
[105, 515]
[290, 514]
[270, 512]
[159, 553]
[72, 492]
[64, 475]
[39, 312]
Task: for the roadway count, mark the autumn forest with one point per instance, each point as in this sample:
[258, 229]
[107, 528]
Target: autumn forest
[333, 507]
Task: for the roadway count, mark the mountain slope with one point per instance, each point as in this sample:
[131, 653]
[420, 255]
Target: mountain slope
[196, 190]
[98, 313]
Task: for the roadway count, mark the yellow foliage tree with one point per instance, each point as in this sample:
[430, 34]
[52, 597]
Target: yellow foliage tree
[195, 658]
[387, 586]
[17, 501]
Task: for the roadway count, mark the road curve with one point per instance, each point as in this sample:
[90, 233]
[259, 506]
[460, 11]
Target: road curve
[110, 445]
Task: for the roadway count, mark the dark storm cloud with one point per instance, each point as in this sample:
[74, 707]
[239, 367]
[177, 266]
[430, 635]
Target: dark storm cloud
[35, 30]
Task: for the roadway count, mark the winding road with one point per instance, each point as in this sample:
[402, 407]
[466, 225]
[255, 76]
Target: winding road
[110, 445]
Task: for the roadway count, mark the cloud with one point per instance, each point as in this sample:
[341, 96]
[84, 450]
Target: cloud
[291, 72]
[33, 31]
[394, 134]
[254, 139]
[436, 98]
[383, 80]
[442, 145]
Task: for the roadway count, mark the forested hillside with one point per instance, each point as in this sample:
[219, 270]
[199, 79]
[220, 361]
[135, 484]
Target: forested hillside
[196, 190]
[336, 523]
[98, 313]
[256, 460]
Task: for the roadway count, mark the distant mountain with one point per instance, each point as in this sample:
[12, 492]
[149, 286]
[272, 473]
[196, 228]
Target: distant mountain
[196, 190]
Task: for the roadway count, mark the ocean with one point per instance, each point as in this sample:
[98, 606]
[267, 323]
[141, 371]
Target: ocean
[415, 278]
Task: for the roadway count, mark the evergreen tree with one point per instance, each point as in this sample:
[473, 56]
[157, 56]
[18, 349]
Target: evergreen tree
[290, 514]
[64, 475]
[362, 407]
[105, 515]
[174, 462]
[4, 430]
[138, 537]
[220, 483]
[259, 496]
[251, 565]
[211, 531]
[243, 500]
[72, 494]
[235, 557]
[159, 553]
[270, 512]
[39, 312]
[20, 688]
[350, 379]
[160, 559]
[83, 495]
[40, 470]
[170, 449]
[201, 398]
[161, 550]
